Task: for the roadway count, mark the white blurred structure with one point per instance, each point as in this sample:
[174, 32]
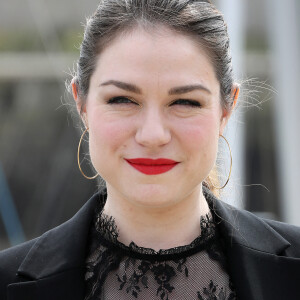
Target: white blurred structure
[234, 14]
[284, 33]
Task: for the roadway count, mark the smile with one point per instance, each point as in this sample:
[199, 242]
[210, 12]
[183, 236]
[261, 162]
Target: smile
[152, 166]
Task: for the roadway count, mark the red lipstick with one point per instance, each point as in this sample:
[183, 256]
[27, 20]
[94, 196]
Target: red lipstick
[152, 166]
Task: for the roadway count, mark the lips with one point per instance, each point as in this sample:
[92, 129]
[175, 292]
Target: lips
[152, 166]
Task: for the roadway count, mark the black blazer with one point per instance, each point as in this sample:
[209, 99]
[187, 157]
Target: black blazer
[263, 257]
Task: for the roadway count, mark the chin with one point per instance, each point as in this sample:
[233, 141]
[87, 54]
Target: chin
[152, 195]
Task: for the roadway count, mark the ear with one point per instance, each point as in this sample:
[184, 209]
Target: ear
[81, 112]
[75, 95]
[235, 94]
[226, 113]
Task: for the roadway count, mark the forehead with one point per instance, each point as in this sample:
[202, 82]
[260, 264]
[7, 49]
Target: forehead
[155, 54]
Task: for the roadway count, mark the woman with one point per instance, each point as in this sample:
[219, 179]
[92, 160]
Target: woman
[154, 89]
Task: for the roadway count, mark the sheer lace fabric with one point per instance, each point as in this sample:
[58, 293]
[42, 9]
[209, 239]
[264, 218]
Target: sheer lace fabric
[116, 271]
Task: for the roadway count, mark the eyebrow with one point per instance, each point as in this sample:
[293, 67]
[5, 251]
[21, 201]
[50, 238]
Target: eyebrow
[173, 91]
[123, 85]
[188, 88]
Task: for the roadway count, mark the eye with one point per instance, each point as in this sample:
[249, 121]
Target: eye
[120, 100]
[186, 102]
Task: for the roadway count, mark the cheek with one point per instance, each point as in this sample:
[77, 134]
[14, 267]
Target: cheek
[108, 134]
[202, 132]
[200, 139]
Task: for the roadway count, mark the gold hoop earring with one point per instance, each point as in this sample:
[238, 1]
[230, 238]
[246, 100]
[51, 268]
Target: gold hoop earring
[222, 187]
[78, 160]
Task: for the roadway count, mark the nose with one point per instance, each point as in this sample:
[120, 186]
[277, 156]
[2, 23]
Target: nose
[152, 129]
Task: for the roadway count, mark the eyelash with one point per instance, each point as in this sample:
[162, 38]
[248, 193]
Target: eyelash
[120, 100]
[187, 102]
[125, 100]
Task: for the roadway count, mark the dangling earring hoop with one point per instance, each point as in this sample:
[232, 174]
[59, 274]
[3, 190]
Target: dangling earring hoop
[222, 187]
[78, 160]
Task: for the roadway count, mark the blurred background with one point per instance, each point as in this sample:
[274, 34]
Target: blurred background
[40, 184]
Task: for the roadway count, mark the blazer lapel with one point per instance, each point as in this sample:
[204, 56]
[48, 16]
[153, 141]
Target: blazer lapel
[263, 276]
[62, 286]
[54, 267]
[256, 257]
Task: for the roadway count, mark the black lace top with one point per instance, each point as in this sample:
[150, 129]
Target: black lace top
[116, 271]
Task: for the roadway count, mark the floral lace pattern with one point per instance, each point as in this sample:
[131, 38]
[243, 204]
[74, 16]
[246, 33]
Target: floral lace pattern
[212, 292]
[195, 271]
[163, 273]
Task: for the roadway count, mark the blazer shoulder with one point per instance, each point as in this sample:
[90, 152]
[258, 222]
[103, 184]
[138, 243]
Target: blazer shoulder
[10, 260]
[291, 233]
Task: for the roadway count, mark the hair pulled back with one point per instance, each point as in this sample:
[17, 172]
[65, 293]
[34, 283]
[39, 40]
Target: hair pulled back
[198, 19]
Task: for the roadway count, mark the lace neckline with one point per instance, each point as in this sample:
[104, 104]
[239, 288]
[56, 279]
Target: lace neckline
[108, 233]
[117, 271]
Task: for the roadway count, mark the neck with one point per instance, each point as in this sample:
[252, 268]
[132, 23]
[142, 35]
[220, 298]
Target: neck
[161, 227]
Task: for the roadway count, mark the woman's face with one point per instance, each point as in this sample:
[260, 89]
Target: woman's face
[154, 95]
